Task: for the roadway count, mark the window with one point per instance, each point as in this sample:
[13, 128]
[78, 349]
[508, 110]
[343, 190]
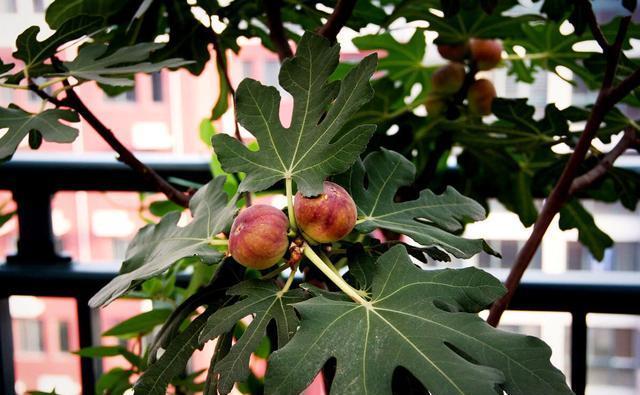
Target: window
[8, 6]
[30, 334]
[38, 6]
[612, 357]
[623, 256]
[271, 70]
[63, 336]
[509, 250]
[156, 87]
[247, 69]
[126, 97]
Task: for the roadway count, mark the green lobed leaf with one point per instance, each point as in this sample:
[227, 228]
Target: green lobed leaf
[423, 321]
[404, 61]
[48, 123]
[574, 215]
[95, 63]
[140, 324]
[315, 145]
[32, 51]
[114, 382]
[109, 351]
[429, 220]
[174, 359]
[157, 247]
[264, 301]
[60, 11]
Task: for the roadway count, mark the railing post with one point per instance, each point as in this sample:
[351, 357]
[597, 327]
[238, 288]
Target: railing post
[7, 377]
[89, 333]
[578, 352]
[36, 241]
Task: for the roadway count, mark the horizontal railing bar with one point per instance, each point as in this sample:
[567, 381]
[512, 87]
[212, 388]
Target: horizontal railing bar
[99, 172]
[597, 293]
[102, 172]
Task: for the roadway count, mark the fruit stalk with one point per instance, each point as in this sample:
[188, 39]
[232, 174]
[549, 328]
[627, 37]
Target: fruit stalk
[289, 189]
[287, 285]
[335, 278]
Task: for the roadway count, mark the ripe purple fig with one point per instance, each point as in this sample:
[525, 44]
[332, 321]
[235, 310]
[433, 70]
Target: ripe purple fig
[486, 53]
[480, 96]
[258, 237]
[448, 79]
[327, 217]
[435, 104]
[454, 52]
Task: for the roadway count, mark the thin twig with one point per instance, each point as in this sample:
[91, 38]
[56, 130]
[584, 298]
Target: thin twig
[605, 164]
[276, 29]
[593, 25]
[613, 53]
[338, 19]
[607, 98]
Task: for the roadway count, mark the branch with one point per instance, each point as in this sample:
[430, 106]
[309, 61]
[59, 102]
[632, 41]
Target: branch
[593, 25]
[124, 155]
[605, 164]
[338, 19]
[276, 29]
[607, 98]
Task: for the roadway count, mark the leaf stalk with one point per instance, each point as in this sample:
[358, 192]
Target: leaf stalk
[335, 278]
[292, 218]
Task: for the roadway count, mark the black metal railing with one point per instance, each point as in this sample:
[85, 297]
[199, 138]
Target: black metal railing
[37, 269]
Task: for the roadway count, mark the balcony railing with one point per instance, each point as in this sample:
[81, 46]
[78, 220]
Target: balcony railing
[37, 269]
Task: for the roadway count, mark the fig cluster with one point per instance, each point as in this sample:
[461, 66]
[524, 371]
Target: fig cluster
[448, 81]
[259, 236]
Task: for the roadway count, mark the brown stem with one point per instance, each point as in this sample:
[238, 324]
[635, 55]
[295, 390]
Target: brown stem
[276, 29]
[338, 19]
[593, 24]
[124, 155]
[605, 101]
[605, 164]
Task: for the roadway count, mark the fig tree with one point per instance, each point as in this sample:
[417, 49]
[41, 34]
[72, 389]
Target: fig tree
[258, 237]
[480, 96]
[448, 79]
[327, 217]
[486, 53]
[454, 52]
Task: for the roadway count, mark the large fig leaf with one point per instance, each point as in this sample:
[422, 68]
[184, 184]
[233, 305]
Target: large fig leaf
[315, 145]
[264, 300]
[156, 247]
[423, 321]
[93, 63]
[32, 51]
[19, 123]
[429, 220]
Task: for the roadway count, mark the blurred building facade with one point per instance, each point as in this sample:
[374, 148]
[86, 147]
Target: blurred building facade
[161, 116]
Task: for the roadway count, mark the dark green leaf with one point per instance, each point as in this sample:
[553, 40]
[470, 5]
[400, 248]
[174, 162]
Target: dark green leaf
[265, 301]
[109, 351]
[174, 359]
[94, 63]
[32, 51]
[60, 11]
[140, 324]
[315, 145]
[574, 215]
[423, 321]
[4, 218]
[48, 123]
[35, 139]
[156, 247]
[114, 382]
[429, 220]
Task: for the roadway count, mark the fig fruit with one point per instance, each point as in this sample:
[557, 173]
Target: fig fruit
[448, 79]
[327, 217]
[486, 53]
[480, 96]
[258, 237]
[454, 52]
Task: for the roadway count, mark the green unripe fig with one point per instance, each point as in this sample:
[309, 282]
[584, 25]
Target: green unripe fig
[480, 96]
[454, 52]
[327, 217]
[486, 53]
[435, 104]
[258, 237]
[448, 79]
